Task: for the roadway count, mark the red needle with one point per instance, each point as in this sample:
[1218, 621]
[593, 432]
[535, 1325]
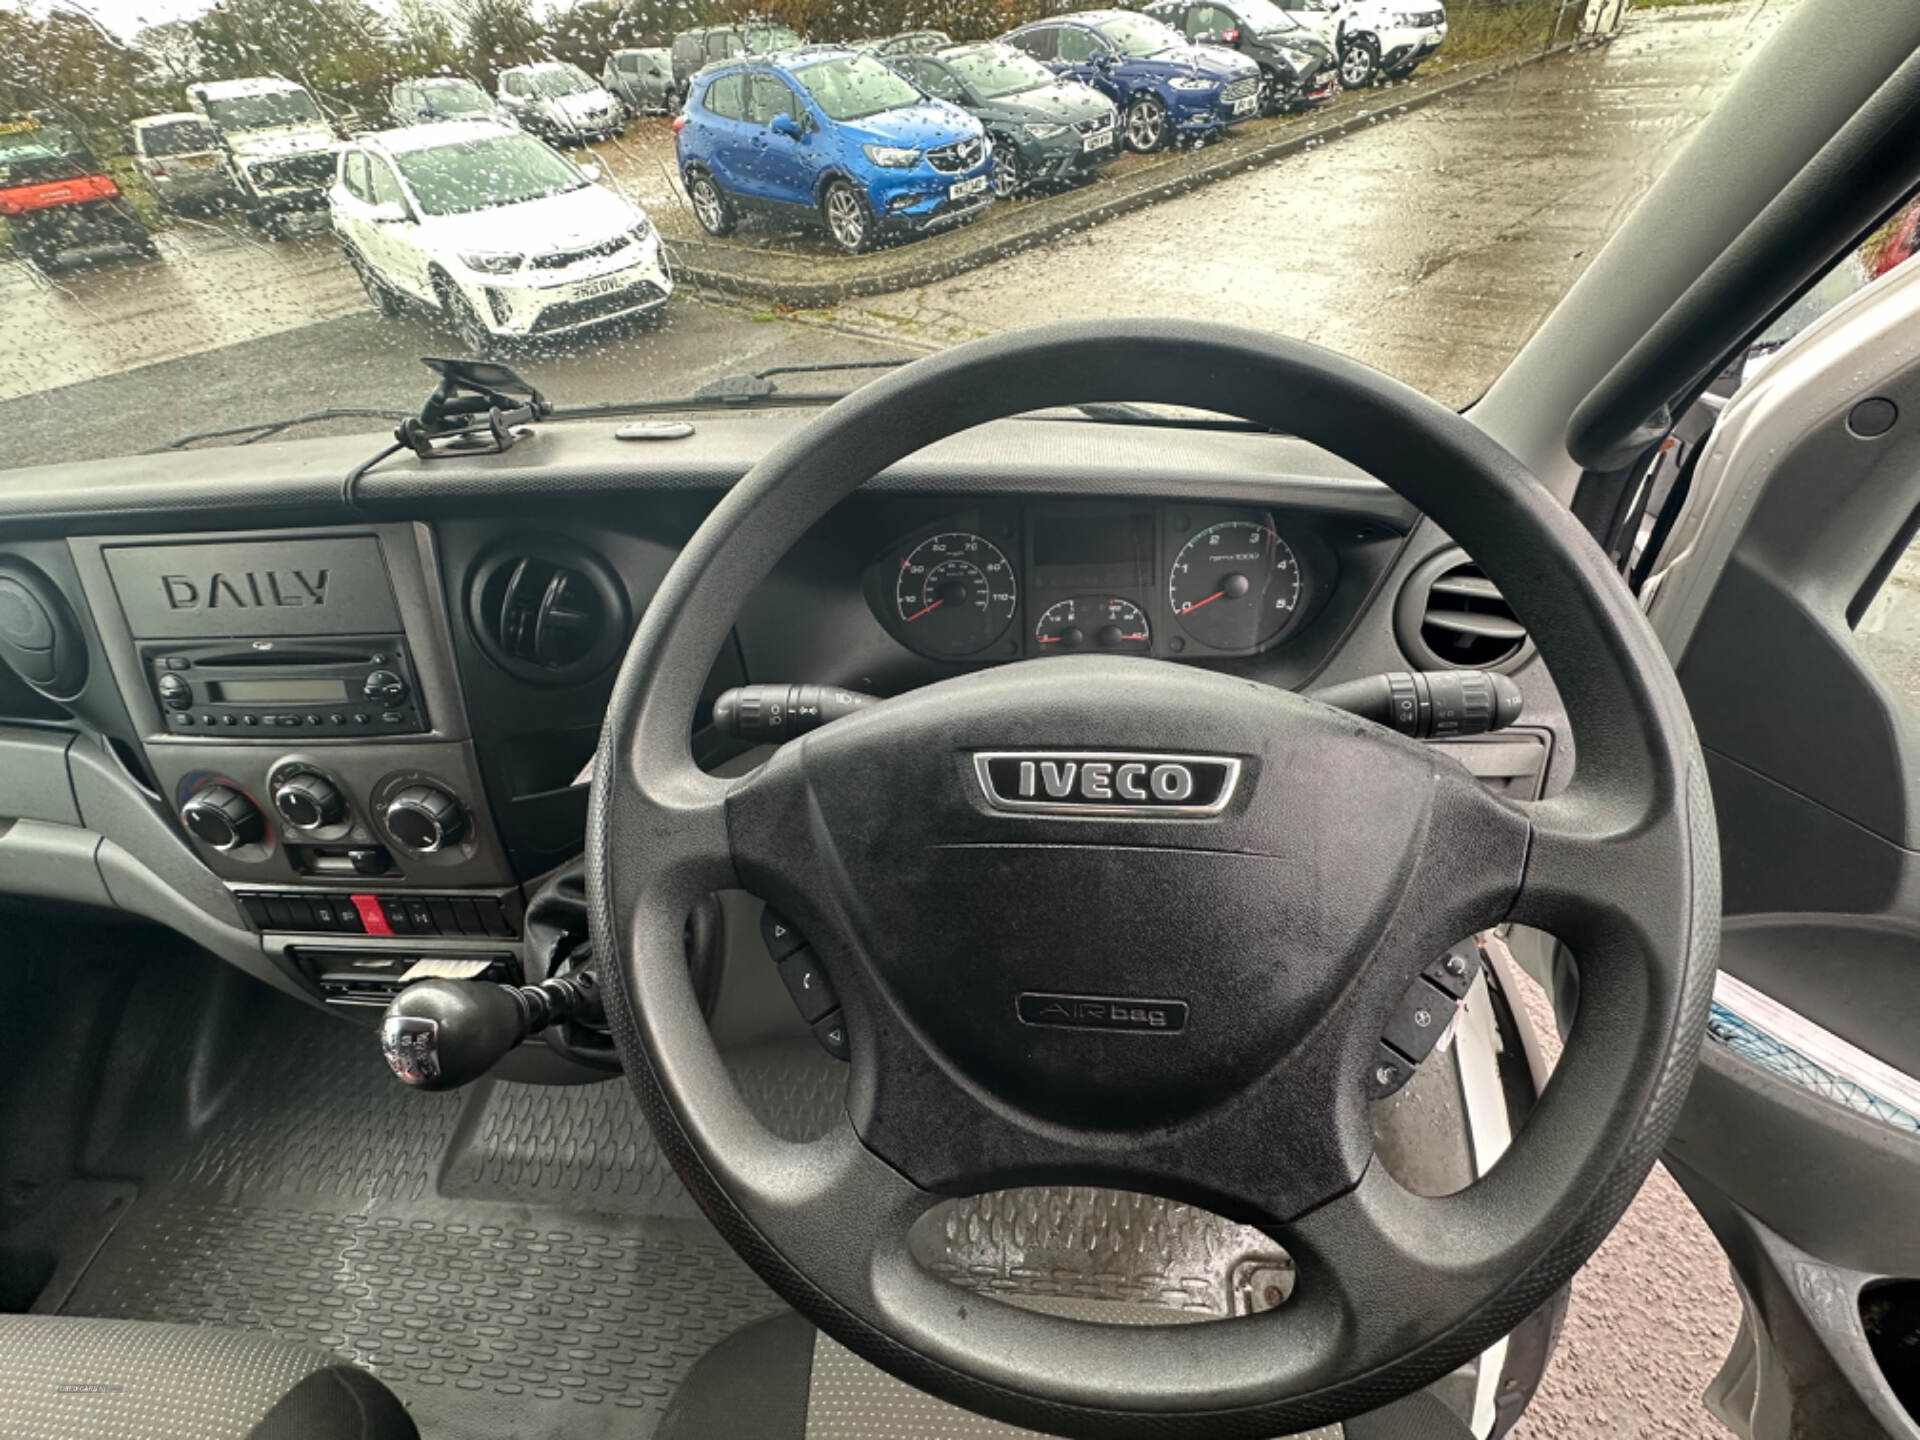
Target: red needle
[1198, 603]
[1141, 636]
[1048, 639]
[923, 610]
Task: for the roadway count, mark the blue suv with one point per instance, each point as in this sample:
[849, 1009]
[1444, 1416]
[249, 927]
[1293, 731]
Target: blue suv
[1164, 85]
[831, 134]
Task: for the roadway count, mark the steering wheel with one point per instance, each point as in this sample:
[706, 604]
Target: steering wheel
[1272, 906]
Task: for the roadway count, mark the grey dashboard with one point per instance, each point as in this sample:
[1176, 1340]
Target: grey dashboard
[301, 731]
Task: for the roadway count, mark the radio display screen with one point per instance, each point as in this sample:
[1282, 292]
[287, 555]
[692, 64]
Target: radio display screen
[291, 691]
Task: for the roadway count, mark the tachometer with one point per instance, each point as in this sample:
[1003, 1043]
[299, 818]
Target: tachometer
[955, 594]
[1093, 622]
[1234, 585]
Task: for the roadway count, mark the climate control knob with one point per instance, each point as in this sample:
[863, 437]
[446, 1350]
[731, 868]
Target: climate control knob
[307, 801]
[425, 818]
[222, 817]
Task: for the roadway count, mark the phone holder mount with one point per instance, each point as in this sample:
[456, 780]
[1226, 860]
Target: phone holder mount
[473, 410]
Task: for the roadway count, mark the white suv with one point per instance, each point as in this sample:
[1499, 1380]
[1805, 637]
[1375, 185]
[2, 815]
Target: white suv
[1387, 38]
[494, 231]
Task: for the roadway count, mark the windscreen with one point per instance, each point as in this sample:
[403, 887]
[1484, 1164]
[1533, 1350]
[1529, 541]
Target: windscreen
[1416, 192]
[855, 87]
[177, 137]
[263, 112]
[997, 70]
[485, 174]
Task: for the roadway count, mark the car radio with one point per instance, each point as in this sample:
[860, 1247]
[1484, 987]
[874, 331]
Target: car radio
[339, 685]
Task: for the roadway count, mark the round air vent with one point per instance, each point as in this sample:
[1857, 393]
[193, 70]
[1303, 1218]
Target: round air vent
[547, 610]
[39, 636]
[1451, 617]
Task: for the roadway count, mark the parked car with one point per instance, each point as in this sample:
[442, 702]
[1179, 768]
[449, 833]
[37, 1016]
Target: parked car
[641, 80]
[1163, 85]
[494, 231]
[909, 42]
[559, 101]
[182, 160]
[1043, 128]
[831, 134]
[56, 197]
[277, 145]
[693, 50]
[1297, 67]
[441, 97]
[1387, 38]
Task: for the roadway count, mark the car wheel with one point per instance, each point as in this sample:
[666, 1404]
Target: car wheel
[1147, 124]
[1009, 175]
[711, 207]
[269, 224]
[378, 291]
[463, 319]
[849, 221]
[1359, 63]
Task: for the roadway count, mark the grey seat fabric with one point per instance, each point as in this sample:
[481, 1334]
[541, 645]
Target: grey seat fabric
[71, 1378]
[778, 1379]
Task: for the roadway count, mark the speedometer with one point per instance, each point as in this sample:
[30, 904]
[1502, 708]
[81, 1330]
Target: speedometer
[955, 594]
[1234, 585]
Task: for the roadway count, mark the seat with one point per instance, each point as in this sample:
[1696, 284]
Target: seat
[72, 1378]
[780, 1379]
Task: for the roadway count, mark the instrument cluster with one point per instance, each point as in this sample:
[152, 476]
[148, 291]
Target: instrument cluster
[1178, 581]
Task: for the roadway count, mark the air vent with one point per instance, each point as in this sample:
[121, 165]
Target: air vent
[1451, 617]
[548, 611]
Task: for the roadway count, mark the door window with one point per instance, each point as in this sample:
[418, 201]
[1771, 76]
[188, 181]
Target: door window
[1078, 46]
[1208, 22]
[934, 79]
[727, 97]
[1042, 44]
[354, 176]
[516, 85]
[385, 187]
[769, 97]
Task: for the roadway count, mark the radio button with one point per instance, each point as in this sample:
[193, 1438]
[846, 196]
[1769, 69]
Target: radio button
[250, 719]
[174, 662]
[421, 916]
[175, 693]
[466, 918]
[395, 909]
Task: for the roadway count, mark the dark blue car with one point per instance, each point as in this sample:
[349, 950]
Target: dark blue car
[833, 135]
[1164, 85]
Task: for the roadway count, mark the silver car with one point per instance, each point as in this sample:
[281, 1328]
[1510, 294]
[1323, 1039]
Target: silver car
[181, 157]
[641, 80]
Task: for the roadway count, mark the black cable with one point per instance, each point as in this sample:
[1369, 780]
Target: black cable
[352, 482]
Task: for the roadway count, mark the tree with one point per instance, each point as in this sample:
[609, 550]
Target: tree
[339, 49]
[67, 63]
[497, 34]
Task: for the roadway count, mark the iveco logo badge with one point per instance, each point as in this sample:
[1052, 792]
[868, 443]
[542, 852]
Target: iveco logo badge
[1103, 782]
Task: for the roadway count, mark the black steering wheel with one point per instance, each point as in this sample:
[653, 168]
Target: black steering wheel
[1282, 909]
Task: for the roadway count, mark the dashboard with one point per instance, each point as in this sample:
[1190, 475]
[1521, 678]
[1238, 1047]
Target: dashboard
[332, 745]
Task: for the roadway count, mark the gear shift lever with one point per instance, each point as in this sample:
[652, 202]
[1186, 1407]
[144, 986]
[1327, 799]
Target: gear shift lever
[442, 1034]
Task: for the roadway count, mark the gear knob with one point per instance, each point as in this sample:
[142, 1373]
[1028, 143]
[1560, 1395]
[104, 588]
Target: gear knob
[442, 1034]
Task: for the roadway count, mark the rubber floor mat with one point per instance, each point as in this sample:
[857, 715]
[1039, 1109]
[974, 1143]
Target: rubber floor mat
[514, 1260]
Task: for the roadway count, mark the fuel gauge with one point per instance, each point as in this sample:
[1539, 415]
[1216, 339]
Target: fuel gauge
[1100, 623]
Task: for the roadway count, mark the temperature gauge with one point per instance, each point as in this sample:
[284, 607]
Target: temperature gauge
[1093, 622]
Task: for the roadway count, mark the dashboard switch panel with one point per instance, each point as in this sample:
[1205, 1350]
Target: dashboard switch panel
[325, 912]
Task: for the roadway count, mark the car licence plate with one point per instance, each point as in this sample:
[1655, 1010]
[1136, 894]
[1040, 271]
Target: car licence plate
[1098, 140]
[963, 188]
[605, 285]
[1245, 106]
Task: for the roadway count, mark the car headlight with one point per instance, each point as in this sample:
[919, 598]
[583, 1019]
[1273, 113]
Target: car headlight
[492, 262]
[1194, 82]
[265, 174]
[1297, 59]
[891, 157]
[1410, 22]
[641, 230]
[1044, 132]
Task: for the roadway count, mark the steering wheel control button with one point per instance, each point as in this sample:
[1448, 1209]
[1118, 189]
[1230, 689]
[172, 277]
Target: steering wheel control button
[1419, 1020]
[1453, 972]
[1389, 1073]
[831, 1031]
[780, 937]
[808, 984]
